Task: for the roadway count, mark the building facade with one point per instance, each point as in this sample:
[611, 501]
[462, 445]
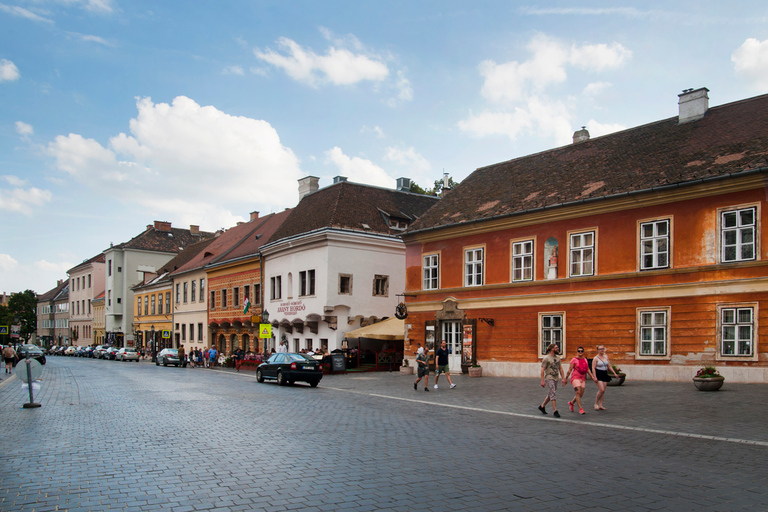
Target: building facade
[99, 333]
[648, 241]
[86, 281]
[46, 314]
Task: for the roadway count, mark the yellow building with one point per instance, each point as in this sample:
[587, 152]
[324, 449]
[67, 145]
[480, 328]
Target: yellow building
[153, 314]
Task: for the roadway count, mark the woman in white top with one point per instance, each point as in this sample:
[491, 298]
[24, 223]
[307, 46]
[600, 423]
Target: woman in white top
[600, 367]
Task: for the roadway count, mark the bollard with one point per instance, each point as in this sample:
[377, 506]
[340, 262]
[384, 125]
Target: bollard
[31, 404]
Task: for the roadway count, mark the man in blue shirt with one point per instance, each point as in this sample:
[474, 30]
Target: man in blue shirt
[441, 357]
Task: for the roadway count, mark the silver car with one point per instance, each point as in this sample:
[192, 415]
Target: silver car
[127, 354]
[168, 356]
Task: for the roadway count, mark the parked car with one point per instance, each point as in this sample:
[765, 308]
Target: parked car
[168, 356]
[34, 352]
[287, 368]
[87, 351]
[99, 351]
[127, 354]
[110, 353]
[69, 351]
[52, 350]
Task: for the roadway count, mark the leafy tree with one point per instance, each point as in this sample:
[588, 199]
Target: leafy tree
[435, 190]
[417, 189]
[24, 307]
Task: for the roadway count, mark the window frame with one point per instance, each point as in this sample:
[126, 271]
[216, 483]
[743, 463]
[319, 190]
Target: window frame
[276, 287]
[307, 283]
[670, 243]
[384, 292]
[580, 232]
[466, 271]
[754, 306]
[348, 276]
[721, 212]
[425, 267]
[540, 329]
[512, 258]
[639, 312]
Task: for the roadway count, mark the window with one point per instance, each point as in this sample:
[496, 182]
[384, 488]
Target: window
[212, 305]
[146, 306]
[109, 267]
[246, 293]
[653, 326]
[89, 280]
[654, 244]
[345, 284]
[193, 290]
[109, 297]
[236, 296]
[431, 271]
[306, 283]
[276, 291]
[473, 267]
[199, 332]
[183, 332]
[582, 254]
[737, 228]
[380, 286]
[119, 269]
[152, 309]
[167, 303]
[202, 289]
[191, 332]
[186, 285]
[178, 293]
[257, 294]
[552, 331]
[224, 298]
[522, 261]
[737, 331]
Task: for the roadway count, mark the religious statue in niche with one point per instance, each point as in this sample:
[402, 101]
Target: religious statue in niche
[550, 258]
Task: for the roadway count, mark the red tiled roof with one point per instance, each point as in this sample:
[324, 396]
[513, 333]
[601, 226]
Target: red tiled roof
[173, 240]
[348, 205]
[730, 139]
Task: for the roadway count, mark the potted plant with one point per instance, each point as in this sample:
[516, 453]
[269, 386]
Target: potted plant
[406, 369]
[708, 379]
[475, 370]
[621, 377]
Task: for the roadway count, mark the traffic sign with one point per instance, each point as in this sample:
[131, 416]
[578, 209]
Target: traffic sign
[166, 334]
[3, 329]
[265, 330]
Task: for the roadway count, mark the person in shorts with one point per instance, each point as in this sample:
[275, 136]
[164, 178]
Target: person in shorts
[441, 358]
[578, 371]
[422, 369]
[551, 372]
[9, 355]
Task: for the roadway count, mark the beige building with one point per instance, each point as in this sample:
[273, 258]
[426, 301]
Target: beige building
[86, 282]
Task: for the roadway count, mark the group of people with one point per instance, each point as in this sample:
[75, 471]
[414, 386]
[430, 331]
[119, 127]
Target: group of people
[196, 357]
[441, 366]
[578, 371]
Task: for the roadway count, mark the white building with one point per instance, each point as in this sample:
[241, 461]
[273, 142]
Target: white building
[337, 262]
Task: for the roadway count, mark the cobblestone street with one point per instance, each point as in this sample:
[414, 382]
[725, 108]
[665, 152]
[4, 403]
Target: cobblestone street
[129, 436]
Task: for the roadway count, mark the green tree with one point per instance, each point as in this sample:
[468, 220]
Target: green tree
[24, 307]
[435, 190]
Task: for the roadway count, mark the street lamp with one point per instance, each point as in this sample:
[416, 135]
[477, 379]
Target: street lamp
[154, 345]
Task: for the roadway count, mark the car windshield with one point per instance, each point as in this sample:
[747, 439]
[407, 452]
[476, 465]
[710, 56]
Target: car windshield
[172, 351]
[130, 350]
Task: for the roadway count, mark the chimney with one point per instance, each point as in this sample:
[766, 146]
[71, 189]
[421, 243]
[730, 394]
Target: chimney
[581, 135]
[339, 179]
[195, 230]
[693, 105]
[403, 184]
[307, 186]
[59, 281]
[162, 226]
[254, 216]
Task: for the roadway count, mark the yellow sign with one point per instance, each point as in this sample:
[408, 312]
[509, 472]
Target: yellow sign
[265, 330]
[166, 335]
[255, 319]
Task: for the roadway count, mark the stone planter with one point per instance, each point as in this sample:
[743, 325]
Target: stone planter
[618, 381]
[710, 384]
[475, 371]
[406, 370]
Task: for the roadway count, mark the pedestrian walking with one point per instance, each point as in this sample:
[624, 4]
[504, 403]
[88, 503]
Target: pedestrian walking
[212, 357]
[199, 356]
[551, 372]
[191, 358]
[9, 355]
[239, 355]
[205, 356]
[182, 356]
[578, 372]
[422, 369]
[441, 358]
[600, 367]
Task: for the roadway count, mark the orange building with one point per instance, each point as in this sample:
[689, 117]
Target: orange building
[648, 241]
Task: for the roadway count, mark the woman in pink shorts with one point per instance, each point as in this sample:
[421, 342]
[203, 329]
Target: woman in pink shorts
[578, 372]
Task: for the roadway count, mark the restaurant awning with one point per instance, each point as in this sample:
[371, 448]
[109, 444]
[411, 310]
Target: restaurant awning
[389, 329]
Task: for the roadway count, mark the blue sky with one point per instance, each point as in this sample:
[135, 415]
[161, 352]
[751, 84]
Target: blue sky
[114, 114]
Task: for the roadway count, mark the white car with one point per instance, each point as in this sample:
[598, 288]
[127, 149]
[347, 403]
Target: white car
[127, 354]
[69, 351]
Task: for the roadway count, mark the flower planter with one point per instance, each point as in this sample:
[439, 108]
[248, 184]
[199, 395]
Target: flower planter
[708, 384]
[406, 370]
[475, 371]
[618, 381]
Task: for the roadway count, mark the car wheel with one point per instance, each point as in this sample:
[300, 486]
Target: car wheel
[157, 362]
[165, 363]
[259, 376]
[314, 383]
[281, 380]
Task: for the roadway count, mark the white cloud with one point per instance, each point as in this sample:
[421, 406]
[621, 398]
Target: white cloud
[22, 200]
[597, 57]
[23, 13]
[376, 130]
[409, 158]
[596, 88]
[750, 61]
[338, 66]
[404, 85]
[99, 6]
[24, 129]
[233, 70]
[184, 160]
[7, 263]
[59, 267]
[358, 169]
[596, 129]
[8, 71]
[91, 39]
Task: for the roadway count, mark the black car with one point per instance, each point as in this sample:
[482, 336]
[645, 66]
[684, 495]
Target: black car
[34, 352]
[288, 368]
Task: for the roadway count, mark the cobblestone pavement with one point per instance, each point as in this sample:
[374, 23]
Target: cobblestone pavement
[129, 436]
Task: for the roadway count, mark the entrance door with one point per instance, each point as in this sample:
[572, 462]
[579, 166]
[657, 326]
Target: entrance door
[452, 336]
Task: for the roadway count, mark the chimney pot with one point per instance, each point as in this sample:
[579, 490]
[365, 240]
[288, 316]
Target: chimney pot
[403, 184]
[254, 216]
[693, 105]
[195, 230]
[339, 179]
[581, 135]
[307, 185]
[162, 226]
